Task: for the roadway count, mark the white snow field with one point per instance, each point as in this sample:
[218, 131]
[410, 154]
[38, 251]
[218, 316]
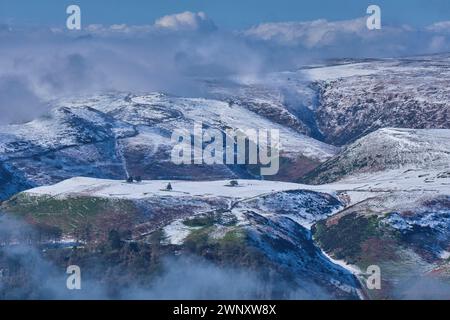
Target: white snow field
[359, 188]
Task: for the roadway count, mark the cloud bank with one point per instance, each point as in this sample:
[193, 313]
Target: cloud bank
[174, 52]
[351, 38]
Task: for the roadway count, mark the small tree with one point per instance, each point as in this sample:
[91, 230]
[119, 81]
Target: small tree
[138, 179]
[234, 183]
[130, 179]
[169, 187]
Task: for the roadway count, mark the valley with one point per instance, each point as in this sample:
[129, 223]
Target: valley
[364, 180]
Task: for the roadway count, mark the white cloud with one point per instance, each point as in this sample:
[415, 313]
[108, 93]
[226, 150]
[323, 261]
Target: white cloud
[351, 38]
[186, 21]
[310, 33]
[441, 27]
[320, 33]
[38, 64]
[101, 30]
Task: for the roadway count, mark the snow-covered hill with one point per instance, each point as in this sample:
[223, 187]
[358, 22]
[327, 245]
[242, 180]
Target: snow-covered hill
[113, 135]
[269, 219]
[396, 183]
[406, 234]
[401, 93]
[273, 218]
[382, 199]
[337, 102]
[343, 100]
[389, 149]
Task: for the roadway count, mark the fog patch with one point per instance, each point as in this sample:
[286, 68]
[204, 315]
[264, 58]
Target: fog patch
[177, 53]
[423, 288]
[18, 101]
[26, 274]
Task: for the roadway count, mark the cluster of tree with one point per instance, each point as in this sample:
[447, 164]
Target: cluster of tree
[233, 183]
[132, 179]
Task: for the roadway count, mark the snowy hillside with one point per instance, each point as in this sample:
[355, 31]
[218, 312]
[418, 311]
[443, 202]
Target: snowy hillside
[405, 233]
[383, 198]
[269, 219]
[403, 93]
[269, 215]
[396, 184]
[115, 135]
[302, 203]
[388, 149]
[336, 102]
[343, 100]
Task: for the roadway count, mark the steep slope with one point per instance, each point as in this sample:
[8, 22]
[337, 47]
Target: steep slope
[384, 200]
[342, 100]
[396, 219]
[260, 226]
[116, 135]
[405, 234]
[403, 93]
[277, 97]
[337, 102]
[396, 184]
[388, 149]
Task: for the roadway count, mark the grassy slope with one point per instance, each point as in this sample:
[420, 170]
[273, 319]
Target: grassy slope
[73, 215]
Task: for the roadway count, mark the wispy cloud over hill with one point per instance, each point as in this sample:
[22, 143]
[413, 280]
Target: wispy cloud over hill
[40, 63]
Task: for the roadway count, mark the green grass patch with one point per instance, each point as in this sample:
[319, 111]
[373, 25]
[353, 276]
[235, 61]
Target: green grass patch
[345, 238]
[66, 213]
[203, 221]
[232, 238]
[199, 240]
[232, 249]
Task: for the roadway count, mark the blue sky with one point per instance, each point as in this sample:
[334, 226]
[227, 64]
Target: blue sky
[227, 14]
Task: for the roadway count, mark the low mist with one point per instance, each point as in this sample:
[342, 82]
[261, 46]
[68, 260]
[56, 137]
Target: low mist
[177, 52]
